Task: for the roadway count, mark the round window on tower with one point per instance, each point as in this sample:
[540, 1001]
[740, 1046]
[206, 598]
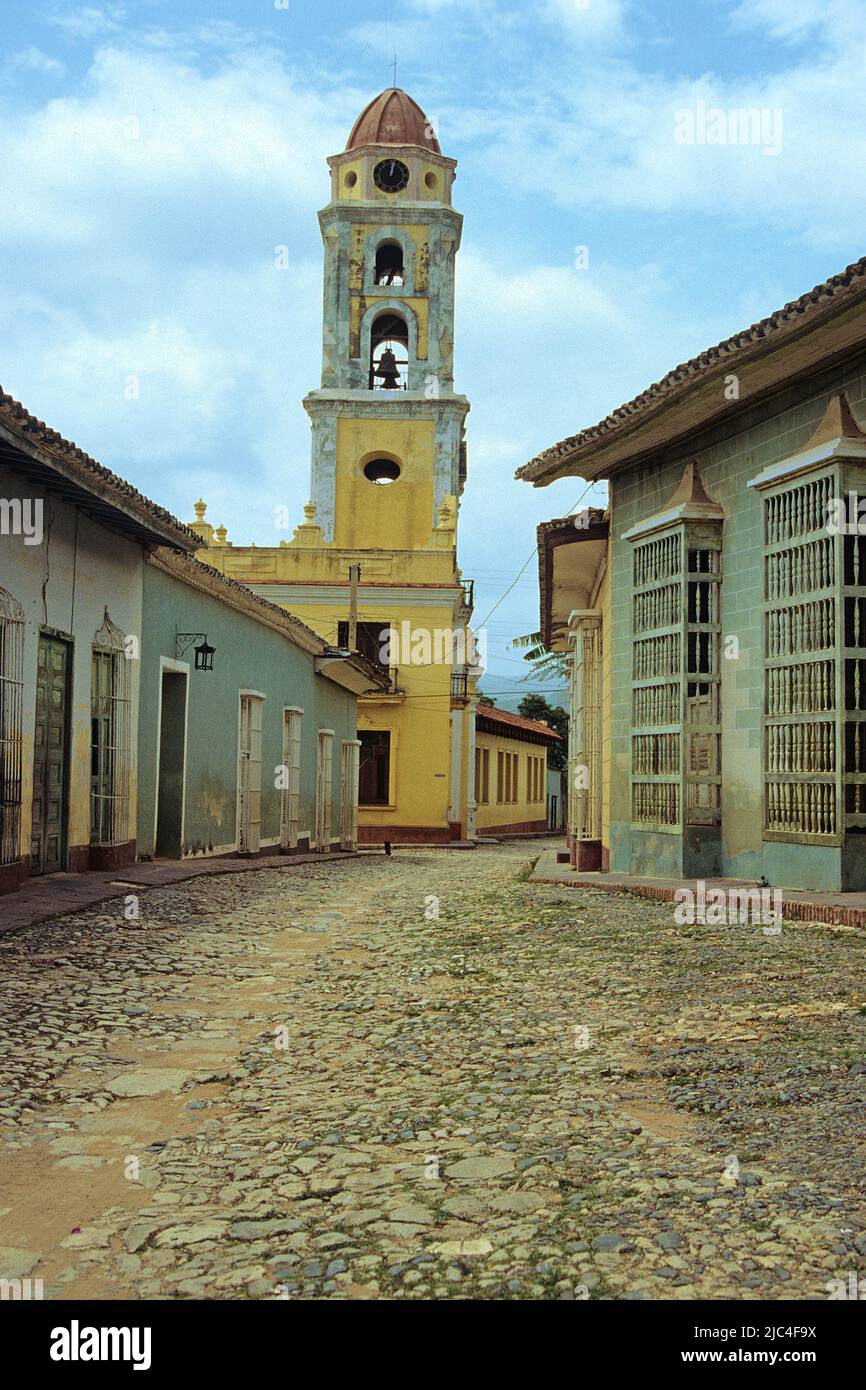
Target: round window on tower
[351, 179]
[382, 471]
[430, 180]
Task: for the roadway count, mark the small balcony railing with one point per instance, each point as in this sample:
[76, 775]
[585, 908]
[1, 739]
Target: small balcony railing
[391, 674]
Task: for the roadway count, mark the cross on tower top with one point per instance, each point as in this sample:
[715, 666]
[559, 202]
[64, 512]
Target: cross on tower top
[394, 65]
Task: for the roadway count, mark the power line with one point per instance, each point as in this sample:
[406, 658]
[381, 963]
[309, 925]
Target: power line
[520, 573]
[446, 695]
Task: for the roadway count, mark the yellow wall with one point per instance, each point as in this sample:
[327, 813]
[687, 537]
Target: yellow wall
[289, 564]
[418, 719]
[360, 302]
[395, 516]
[502, 813]
[356, 191]
[420, 757]
[360, 234]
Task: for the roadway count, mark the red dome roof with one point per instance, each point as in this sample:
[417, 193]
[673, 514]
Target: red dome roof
[393, 118]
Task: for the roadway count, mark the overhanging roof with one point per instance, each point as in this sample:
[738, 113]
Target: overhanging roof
[826, 325]
[28, 446]
[352, 671]
[570, 550]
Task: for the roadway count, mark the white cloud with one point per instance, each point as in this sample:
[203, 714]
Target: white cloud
[797, 20]
[90, 21]
[447, 29]
[148, 124]
[606, 141]
[148, 201]
[588, 21]
[228, 356]
[383, 38]
[33, 59]
[426, 7]
[159, 371]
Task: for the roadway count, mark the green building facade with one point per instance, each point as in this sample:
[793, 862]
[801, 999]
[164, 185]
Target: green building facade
[738, 649]
[258, 753]
[727, 692]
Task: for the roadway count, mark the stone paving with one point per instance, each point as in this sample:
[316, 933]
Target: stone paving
[307, 1084]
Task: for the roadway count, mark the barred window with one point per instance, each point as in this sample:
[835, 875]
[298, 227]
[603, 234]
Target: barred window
[11, 710]
[801, 648]
[109, 742]
[703, 729]
[676, 714]
[657, 682]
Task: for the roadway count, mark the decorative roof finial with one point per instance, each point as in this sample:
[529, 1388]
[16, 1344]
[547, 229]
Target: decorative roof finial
[837, 422]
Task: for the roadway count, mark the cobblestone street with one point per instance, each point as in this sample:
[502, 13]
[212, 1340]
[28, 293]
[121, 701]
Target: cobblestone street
[302, 1082]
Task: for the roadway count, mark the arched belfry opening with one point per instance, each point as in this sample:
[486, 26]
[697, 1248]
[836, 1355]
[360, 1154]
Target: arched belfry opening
[389, 353]
[389, 264]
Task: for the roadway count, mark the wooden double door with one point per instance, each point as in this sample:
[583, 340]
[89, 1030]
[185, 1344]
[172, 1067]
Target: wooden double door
[51, 757]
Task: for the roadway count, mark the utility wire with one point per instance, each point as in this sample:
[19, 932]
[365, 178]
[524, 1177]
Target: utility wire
[532, 556]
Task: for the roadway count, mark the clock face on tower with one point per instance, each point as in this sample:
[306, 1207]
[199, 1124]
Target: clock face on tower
[391, 175]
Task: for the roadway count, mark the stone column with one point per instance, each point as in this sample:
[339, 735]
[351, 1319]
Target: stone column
[455, 824]
[584, 760]
[471, 789]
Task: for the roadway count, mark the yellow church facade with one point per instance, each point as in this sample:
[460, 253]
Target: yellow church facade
[373, 566]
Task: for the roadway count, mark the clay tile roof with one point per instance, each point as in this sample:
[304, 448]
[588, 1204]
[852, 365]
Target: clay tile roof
[849, 284]
[393, 118]
[579, 523]
[514, 721]
[232, 586]
[34, 437]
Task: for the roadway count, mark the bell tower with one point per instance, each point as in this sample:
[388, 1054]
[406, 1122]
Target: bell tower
[388, 457]
[373, 566]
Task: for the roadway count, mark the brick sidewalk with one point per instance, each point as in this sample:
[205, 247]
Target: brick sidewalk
[836, 909]
[56, 894]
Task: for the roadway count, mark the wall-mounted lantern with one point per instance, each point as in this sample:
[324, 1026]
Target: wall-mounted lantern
[204, 656]
[204, 652]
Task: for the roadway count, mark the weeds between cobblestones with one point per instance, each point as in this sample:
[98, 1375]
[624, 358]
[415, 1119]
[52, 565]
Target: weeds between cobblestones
[297, 1085]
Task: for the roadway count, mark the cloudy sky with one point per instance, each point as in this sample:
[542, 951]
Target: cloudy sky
[155, 153]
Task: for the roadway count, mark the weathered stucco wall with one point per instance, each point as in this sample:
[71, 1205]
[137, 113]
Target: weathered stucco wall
[64, 584]
[249, 656]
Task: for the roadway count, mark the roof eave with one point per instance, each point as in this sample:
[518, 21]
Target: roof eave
[617, 443]
[80, 488]
[551, 535]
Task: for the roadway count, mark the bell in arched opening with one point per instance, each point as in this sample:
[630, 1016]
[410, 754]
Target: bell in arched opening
[389, 354]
